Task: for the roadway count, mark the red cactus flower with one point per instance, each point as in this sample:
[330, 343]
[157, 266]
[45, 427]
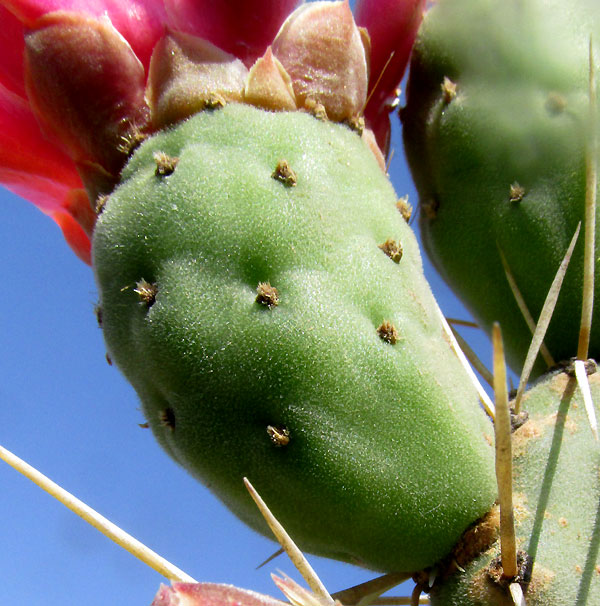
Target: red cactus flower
[82, 82]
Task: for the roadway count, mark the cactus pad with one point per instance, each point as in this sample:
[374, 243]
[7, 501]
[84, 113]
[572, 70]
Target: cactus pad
[265, 297]
[495, 128]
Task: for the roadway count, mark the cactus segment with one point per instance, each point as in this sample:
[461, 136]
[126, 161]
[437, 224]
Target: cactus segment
[284, 346]
[496, 129]
[557, 496]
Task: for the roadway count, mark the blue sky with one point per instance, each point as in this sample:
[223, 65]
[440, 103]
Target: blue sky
[67, 412]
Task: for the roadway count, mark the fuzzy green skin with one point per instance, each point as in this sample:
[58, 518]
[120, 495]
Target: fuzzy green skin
[513, 63]
[557, 496]
[387, 461]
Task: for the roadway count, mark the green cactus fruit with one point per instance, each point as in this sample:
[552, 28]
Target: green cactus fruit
[556, 494]
[495, 131]
[264, 296]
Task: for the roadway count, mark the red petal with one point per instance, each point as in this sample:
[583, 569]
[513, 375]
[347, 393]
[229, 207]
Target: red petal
[24, 149]
[243, 28]
[34, 169]
[76, 238]
[49, 196]
[11, 43]
[58, 202]
[141, 22]
[392, 26]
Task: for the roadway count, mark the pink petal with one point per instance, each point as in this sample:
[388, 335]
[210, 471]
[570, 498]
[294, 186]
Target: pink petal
[11, 43]
[141, 22]
[392, 27]
[243, 28]
[211, 594]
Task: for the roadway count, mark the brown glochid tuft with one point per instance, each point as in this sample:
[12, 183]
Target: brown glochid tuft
[495, 571]
[356, 123]
[98, 313]
[131, 139]
[267, 295]
[316, 109]
[280, 435]
[448, 90]
[517, 192]
[387, 332]
[146, 292]
[518, 419]
[165, 164]
[285, 174]
[404, 208]
[214, 101]
[167, 418]
[555, 103]
[392, 249]
[100, 203]
[430, 208]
